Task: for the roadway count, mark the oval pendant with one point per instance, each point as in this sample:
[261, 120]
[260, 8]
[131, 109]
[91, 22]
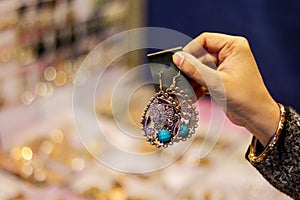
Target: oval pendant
[169, 117]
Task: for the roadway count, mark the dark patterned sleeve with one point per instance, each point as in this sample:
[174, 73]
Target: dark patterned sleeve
[282, 166]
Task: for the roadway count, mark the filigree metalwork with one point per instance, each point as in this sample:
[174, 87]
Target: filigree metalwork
[169, 116]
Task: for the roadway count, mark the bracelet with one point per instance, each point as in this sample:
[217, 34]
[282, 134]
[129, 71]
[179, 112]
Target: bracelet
[253, 157]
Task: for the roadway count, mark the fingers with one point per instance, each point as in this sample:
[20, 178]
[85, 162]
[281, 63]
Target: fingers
[207, 46]
[199, 89]
[214, 46]
[195, 49]
[194, 68]
[204, 75]
[210, 59]
[211, 42]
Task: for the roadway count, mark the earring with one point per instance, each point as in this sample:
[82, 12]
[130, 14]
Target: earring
[169, 116]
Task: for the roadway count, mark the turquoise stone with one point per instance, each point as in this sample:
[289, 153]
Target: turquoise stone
[164, 136]
[184, 130]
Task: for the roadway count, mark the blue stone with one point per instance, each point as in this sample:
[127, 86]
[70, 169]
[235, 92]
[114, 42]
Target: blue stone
[164, 136]
[184, 130]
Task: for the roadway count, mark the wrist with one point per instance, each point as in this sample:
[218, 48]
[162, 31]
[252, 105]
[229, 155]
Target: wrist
[264, 123]
[256, 153]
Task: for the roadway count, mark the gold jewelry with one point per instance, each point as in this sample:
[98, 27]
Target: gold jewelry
[39, 161]
[253, 157]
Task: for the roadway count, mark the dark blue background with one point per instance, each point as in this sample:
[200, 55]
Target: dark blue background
[272, 28]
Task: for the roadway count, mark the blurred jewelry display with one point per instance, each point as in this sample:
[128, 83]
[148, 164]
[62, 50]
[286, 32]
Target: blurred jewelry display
[169, 116]
[45, 160]
[37, 35]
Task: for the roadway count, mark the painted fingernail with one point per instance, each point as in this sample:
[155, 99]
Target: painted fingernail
[178, 59]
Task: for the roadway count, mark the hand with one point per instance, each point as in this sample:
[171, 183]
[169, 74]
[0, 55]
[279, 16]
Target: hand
[226, 67]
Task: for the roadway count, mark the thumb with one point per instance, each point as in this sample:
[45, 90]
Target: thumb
[195, 69]
[203, 74]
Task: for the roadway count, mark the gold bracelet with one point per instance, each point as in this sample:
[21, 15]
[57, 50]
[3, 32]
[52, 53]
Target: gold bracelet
[253, 157]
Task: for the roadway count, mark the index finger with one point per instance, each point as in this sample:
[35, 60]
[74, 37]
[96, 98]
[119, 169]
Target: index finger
[211, 42]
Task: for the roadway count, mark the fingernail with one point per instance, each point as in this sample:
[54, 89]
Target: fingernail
[178, 59]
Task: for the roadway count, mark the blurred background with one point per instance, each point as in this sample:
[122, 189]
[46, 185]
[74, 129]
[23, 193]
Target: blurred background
[44, 42]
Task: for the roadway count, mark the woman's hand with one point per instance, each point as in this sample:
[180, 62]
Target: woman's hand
[226, 67]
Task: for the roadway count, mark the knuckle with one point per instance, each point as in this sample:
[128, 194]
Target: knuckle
[242, 41]
[191, 71]
[205, 34]
[194, 72]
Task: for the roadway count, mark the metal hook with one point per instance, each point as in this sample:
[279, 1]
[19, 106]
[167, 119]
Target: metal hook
[160, 81]
[174, 80]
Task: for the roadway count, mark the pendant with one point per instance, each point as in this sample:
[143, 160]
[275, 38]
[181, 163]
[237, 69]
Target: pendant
[169, 117]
